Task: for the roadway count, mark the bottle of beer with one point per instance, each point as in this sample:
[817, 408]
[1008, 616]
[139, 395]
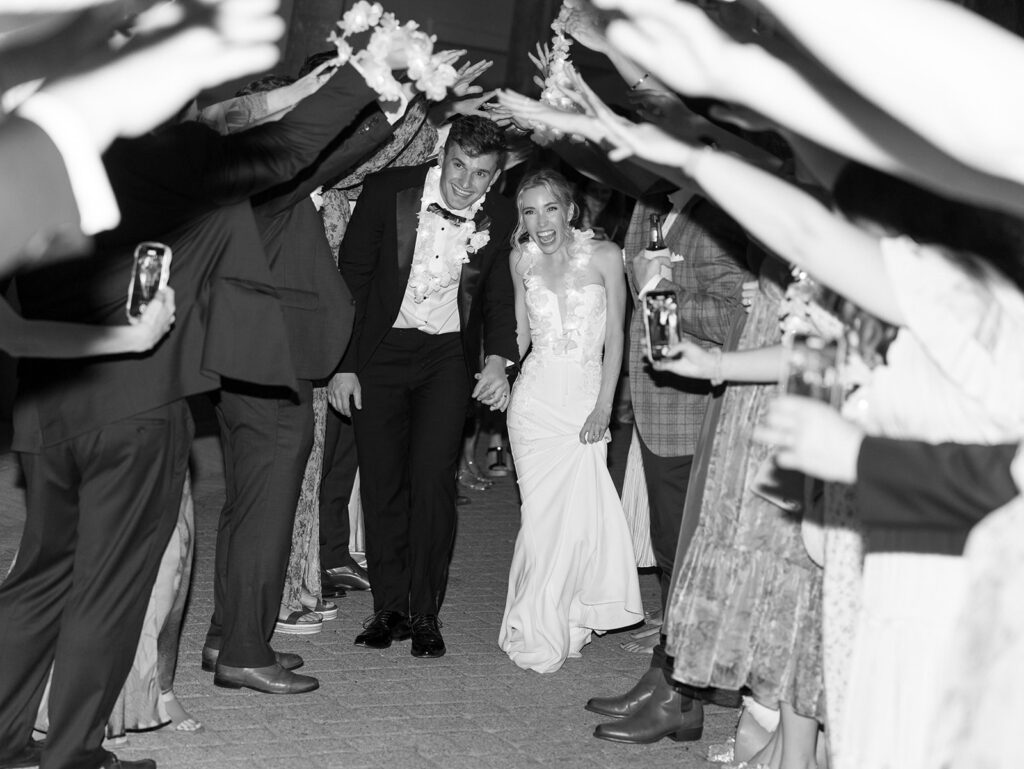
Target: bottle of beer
[656, 240]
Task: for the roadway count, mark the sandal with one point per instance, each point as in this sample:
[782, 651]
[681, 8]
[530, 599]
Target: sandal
[326, 609]
[303, 622]
[642, 646]
[181, 719]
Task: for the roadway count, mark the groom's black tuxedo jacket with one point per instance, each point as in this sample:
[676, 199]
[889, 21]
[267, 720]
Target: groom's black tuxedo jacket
[376, 257]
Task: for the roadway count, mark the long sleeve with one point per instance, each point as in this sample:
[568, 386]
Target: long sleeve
[938, 486]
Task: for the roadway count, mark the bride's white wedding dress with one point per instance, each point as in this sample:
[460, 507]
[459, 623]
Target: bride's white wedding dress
[573, 570]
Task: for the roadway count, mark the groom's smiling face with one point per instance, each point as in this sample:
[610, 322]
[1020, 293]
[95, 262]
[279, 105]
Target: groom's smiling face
[465, 178]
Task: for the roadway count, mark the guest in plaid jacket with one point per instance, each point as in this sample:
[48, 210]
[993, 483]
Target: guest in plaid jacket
[706, 270]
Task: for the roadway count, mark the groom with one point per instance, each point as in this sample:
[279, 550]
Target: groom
[426, 259]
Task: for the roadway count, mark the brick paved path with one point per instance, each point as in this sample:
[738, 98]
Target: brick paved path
[470, 709]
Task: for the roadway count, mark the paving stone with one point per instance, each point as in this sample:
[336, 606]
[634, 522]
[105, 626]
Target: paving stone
[472, 709]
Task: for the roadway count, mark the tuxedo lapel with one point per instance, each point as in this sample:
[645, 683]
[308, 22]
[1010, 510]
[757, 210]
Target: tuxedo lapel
[407, 209]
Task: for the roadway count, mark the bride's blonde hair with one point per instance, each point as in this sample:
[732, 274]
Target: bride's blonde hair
[554, 183]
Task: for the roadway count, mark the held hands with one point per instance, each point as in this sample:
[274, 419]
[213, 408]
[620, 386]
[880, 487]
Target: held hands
[812, 437]
[596, 426]
[492, 385]
[154, 323]
[343, 392]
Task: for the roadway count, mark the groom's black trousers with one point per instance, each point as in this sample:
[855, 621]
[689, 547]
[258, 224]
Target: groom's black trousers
[408, 434]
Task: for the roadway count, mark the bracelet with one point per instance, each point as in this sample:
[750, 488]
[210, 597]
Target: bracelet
[639, 82]
[716, 368]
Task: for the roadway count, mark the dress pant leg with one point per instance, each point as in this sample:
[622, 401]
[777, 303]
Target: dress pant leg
[338, 477]
[267, 440]
[439, 402]
[382, 440]
[667, 480]
[114, 494]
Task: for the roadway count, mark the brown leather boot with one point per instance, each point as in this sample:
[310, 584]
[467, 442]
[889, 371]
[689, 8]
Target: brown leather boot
[630, 702]
[667, 713]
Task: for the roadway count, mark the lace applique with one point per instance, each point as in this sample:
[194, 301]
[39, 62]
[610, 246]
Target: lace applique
[574, 314]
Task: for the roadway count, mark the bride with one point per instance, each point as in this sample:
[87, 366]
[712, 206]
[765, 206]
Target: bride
[573, 570]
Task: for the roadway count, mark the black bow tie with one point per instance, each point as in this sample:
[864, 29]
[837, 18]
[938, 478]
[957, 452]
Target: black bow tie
[434, 208]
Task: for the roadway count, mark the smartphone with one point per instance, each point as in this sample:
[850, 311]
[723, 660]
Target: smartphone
[813, 367]
[151, 268]
[661, 321]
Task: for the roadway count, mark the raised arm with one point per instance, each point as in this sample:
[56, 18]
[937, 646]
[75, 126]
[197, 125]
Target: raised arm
[680, 43]
[787, 220]
[955, 89]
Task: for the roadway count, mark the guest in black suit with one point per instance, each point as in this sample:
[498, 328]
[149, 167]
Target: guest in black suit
[267, 434]
[426, 258]
[104, 442]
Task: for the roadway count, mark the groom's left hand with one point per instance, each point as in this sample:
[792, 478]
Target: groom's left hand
[492, 385]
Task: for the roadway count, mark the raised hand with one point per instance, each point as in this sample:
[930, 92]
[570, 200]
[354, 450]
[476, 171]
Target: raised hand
[467, 73]
[529, 112]
[583, 25]
[645, 141]
[675, 41]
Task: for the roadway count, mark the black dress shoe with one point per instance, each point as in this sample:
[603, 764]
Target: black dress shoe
[426, 636]
[27, 756]
[382, 628]
[630, 702]
[113, 762]
[661, 716]
[287, 660]
[272, 679]
[351, 577]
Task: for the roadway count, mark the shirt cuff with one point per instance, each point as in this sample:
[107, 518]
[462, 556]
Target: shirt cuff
[653, 282]
[97, 206]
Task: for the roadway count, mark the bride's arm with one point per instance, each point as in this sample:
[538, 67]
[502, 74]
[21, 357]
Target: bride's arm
[607, 258]
[519, 289]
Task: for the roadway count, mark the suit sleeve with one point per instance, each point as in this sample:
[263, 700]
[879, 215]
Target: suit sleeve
[359, 255]
[244, 164]
[499, 308]
[938, 486]
[344, 152]
[38, 200]
[709, 312]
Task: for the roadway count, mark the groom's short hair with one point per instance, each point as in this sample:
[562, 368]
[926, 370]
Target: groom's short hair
[477, 136]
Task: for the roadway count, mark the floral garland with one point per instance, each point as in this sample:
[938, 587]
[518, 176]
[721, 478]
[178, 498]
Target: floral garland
[429, 274]
[580, 250]
[431, 74]
[558, 73]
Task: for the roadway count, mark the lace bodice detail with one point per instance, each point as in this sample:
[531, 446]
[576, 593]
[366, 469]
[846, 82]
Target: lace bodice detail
[569, 322]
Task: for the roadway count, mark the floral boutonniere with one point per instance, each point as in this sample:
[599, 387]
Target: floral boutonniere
[481, 235]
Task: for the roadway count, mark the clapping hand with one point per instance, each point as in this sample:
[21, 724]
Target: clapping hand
[748, 290]
[467, 74]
